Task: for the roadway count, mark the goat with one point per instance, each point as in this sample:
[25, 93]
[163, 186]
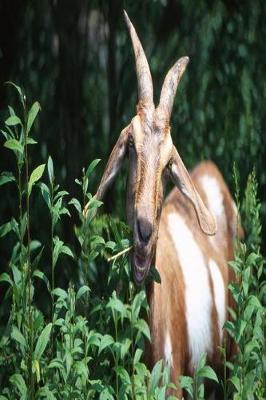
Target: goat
[189, 307]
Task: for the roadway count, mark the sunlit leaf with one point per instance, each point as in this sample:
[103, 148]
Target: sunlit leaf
[92, 166]
[13, 120]
[50, 165]
[42, 342]
[35, 108]
[6, 177]
[15, 145]
[35, 176]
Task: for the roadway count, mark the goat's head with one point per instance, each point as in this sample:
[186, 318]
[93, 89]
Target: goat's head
[148, 144]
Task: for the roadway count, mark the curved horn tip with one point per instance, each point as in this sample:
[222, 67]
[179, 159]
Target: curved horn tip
[128, 22]
[182, 62]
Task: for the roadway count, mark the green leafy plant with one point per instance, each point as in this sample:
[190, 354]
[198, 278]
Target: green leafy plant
[89, 340]
[247, 327]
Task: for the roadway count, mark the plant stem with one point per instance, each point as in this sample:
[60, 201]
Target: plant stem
[31, 377]
[52, 262]
[119, 254]
[24, 297]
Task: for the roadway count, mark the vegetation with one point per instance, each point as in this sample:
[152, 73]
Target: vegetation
[85, 345]
[72, 323]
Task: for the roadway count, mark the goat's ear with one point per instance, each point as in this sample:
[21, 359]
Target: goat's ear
[182, 180]
[113, 165]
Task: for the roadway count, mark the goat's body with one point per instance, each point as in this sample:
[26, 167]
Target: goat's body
[188, 308]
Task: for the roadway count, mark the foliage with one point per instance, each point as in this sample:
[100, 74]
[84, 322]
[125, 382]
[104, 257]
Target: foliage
[85, 345]
[194, 386]
[247, 327]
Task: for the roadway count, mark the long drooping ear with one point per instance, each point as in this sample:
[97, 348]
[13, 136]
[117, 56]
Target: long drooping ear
[113, 165]
[169, 87]
[182, 180]
[145, 86]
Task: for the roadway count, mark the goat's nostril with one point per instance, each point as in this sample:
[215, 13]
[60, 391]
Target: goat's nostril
[144, 229]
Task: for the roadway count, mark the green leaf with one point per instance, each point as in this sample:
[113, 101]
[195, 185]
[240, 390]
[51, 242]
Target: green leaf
[46, 393]
[4, 277]
[156, 375]
[60, 248]
[252, 259]
[208, 372]
[18, 337]
[39, 274]
[92, 165]
[241, 327]
[13, 120]
[6, 177]
[106, 341]
[31, 141]
[60, 194]
[142, 326]
[42, 342]
[35, 176]
[60, 293]
[186, 382]
[5, 229]
[202, 361]
[45, 193]
[14, 145]
[66, 250]
[35, 108]
[76, 204]
[236, 382]
[18, 90]
[137, 356]
[115, 304]
[123, 374]
[84, 289]
[50, 170]
[56, 363]
[18, 381]
[137, 303]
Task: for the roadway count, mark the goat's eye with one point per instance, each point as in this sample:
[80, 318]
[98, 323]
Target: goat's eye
[169, 166]
[131, 142]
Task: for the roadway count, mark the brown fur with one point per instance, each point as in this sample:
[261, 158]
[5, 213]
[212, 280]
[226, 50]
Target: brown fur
[167, 302]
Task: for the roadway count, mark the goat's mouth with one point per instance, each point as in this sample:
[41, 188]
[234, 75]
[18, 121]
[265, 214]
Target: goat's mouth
[141, 264]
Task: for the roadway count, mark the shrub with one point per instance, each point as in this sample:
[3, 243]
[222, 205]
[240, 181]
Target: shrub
[86, 339]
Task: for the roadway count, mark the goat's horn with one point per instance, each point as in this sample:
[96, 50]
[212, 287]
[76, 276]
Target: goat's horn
[170, 85]
[145, 87]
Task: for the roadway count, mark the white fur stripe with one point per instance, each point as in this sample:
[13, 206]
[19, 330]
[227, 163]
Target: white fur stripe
[214, 195]
[168, 350]
[198, 297]
[219, 295]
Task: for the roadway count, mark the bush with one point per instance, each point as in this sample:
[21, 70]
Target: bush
[86, 339]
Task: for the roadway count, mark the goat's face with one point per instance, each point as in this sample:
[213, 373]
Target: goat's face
[148, 144]
[149, 149]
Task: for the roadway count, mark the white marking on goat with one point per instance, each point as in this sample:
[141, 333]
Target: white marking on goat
[214, 195]
[219, 295]
[215, 205]
[168, 350]
[198, 297]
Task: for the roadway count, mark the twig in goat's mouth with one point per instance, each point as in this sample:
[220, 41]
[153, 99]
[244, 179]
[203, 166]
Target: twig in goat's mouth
[120, 254]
